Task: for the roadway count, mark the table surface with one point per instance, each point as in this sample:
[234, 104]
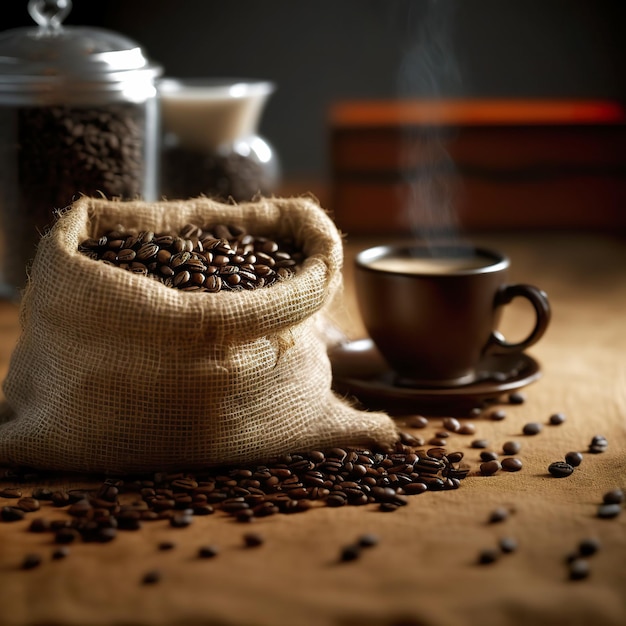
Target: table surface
[424, 569]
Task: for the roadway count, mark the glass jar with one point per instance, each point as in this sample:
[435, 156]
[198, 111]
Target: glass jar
[78, 115]
[210, 144]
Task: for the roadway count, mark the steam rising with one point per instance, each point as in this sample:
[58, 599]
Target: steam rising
[429, 71]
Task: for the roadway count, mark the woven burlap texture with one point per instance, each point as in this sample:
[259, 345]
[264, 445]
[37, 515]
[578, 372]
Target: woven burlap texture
[115, 372]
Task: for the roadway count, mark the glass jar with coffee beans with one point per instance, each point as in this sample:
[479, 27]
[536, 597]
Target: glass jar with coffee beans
[210, 143]
[78, 115]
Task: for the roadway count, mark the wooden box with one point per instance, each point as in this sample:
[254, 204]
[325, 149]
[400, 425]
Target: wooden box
[398, 166]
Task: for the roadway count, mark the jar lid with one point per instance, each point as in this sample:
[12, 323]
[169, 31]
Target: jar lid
[52, 55]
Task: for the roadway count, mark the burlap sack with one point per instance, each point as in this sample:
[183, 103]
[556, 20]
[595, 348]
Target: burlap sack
[116, 372]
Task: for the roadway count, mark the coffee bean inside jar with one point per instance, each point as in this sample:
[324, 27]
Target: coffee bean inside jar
[210, 259]
[78, 115]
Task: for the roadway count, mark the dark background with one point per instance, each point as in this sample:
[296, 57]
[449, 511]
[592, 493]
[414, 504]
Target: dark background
[321, 51]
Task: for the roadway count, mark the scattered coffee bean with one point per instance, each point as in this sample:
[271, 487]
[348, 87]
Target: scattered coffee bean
[387, 507]
[467, 429]
[517, 397]
[490, 467]
[511, 447]
[499, 514]
[574, 458]
[31, 561]
[66, 535]
[207, 552]
[166, 545]
[39, 525]
[368, 540]
[487, 556]
[253, 540]
[61, 552]
[11, 514]
[532, 428]
[10, 492]
[436, 441]
[419, 421]
[28, 505]
[452, 424]
[589, 546]
[350, 553]
[507, 545]
[152, 577]
[615, 496]
[488, 455]
[609, 511]
[511, 464]
[598, 444]
[560, 469]
[479, 443]
[556, 419]
[42, 493]
[579, 569]
[498, 415]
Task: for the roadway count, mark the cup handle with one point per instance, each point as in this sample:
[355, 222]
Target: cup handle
[497, 344]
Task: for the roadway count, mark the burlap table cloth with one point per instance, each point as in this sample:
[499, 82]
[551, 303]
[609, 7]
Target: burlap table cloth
[424, 571]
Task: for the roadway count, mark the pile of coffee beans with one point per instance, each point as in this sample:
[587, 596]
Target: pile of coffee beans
[210, 259]
[293, 484]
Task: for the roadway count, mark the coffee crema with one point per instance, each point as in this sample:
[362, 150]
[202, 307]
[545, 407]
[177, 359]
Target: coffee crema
[433, 265]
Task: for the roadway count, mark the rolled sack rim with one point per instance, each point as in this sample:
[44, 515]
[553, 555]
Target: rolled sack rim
[257, 311]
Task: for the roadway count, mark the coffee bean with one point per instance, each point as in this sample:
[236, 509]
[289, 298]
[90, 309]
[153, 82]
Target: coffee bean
[497, 415]
[517, 397]
[488, 455]
[10, 492]
[609, 511]
[574, 458]
[511, 464]
[598, 444]
[66, 535]
[28, 505]
[490, 467]
[207, 552]
[11, 514]
[467, 429]
[418, 421]
[387, 507]
[487, 556]
[31, 561]
[61, 552]
[589, 546]
[507, 545]
[560, 469]
[152, 577]
[579, 569]
[368, 540]
[350, 553]
[166, 545]
[499, 514]
[511, 447]
[556, 419]
[615, 496]
[253, 540]
[532, 428]
[42, 493]
[39, 525]
[452, 424]
[479, 443]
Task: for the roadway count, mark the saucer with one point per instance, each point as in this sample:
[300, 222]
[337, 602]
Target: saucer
[360, 372]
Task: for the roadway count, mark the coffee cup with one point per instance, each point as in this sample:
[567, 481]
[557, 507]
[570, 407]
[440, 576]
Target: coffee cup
[433, 310]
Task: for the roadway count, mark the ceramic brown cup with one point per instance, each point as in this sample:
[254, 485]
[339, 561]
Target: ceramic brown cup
[433, 311]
